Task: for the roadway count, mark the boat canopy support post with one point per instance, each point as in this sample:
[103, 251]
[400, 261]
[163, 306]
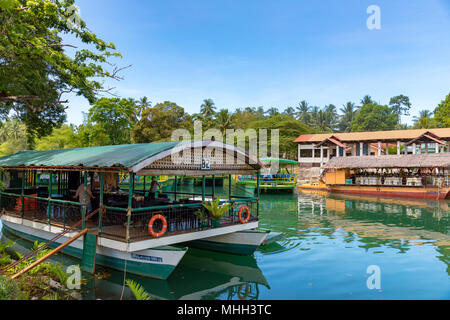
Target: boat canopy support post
[213, 186]
[50, 191]
[229, 187]
[130, 204]
[84, 204]
[22, 193]
[257, 192]
[175, 187]
[101, 207]
[203, 187]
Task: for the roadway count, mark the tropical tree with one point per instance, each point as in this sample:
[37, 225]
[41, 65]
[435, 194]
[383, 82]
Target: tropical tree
[400, 105]
[303, 110]
[331, 116]
[424, 120]
[348, 115]
[208, 108]
[114, 116]
[61, 138]
[313, 117]
[374, 117]
[224, 120]
[159, 122]
[272, 112]
[442, 113]
[13, 137]
[290, 112]
[366, 100]
[35, 70]
[289, 130]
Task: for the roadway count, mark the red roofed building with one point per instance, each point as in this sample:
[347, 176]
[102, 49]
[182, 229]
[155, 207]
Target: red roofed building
[314, 150]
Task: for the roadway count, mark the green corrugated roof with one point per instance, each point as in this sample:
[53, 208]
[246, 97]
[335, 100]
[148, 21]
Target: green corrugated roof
[106, 156]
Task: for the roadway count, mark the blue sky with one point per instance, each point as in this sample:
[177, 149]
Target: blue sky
[274, 53]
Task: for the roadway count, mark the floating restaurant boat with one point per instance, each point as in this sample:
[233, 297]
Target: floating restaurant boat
[273, 178]
[126, 230]
[425, 176]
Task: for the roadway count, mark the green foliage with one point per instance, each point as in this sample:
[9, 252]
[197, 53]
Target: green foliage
[56, 271]
[425, 120]
[202, 215]
[158, 123]
[442, 113]
[289, 128]
[400, 105]
[35, 71]
[374, 117]
[60, 138]
[12, 137]
[115, 117]
[349, 113]
[9, 290]
[138, 291]
[216, 209]
[5, 258]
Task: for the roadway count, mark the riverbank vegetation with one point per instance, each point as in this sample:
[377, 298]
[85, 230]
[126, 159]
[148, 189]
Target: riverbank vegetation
[44, 282]
[112, 121]
[38, 69]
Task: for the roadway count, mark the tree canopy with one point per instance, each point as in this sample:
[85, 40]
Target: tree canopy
[35, 69]
[158, 122]
[442, 113]
[374, 117]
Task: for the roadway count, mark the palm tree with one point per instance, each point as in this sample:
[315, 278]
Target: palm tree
[323, 121]
[348, 115]
[272, 112]
[289, 111]
[224, 119]
[366, 100]
[425, 120]
[331, 116]
[313, 116]
[208, 108]
[303, 111]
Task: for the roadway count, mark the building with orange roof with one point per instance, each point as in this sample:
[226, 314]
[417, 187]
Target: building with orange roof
[314, 150]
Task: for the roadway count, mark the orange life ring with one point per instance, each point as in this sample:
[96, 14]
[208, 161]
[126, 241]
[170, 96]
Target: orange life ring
[244, 221]
[247, 291]
[150, 226]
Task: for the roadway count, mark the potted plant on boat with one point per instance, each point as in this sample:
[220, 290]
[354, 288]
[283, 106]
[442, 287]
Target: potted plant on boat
[217, 211]
[203, 217]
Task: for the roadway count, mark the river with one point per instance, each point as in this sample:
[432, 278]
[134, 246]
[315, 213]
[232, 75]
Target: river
[331, 246]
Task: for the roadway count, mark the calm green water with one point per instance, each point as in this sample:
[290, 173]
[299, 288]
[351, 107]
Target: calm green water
[329, 243]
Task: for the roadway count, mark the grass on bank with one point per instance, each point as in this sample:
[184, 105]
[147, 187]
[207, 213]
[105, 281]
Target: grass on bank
[44, 282]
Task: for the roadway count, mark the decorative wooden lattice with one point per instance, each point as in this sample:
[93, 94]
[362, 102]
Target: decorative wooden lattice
[190, 162]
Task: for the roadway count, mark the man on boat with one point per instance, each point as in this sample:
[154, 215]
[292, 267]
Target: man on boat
[154, 188]
[80, 194]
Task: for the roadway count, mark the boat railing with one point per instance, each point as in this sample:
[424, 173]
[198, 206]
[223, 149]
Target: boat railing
[269, 178]
[50, 211]
[411, 181]
[121, 223]
[180, 218]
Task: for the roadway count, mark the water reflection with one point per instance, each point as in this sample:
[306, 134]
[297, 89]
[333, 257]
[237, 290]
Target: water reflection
[201, 275]
[329, 240]
[379, 222]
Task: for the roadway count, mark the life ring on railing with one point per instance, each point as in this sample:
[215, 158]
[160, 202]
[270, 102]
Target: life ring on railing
[244, 221]
[152, 221]
[291, 179]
